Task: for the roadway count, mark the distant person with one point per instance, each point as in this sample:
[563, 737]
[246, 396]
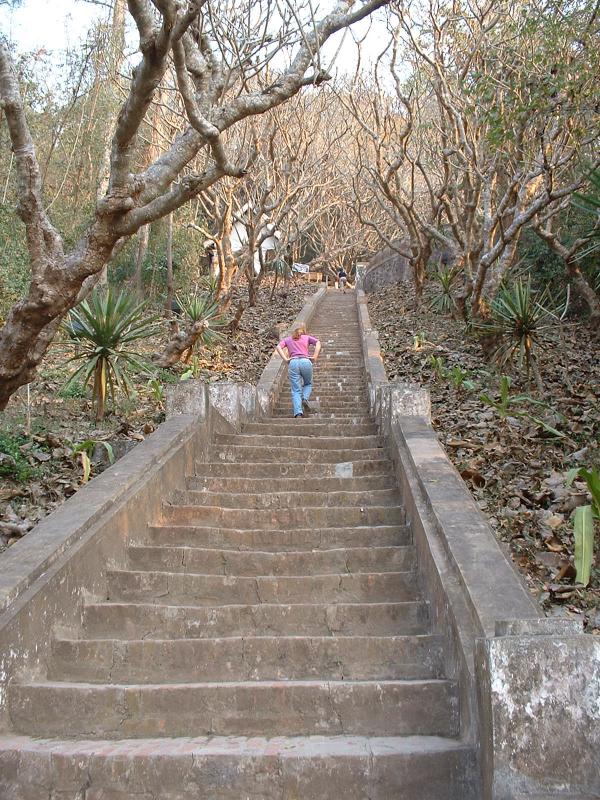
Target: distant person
[300, 366]
[342, 279]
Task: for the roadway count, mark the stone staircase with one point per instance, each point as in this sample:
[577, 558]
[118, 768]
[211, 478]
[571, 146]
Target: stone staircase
[269, 637]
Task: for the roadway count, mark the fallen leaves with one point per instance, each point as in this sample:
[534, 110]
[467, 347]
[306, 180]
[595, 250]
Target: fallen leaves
[514, 468]
[58, 425]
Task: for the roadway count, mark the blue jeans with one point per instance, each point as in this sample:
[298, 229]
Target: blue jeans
[300, 372]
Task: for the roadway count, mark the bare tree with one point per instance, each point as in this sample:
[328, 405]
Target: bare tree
[291, 188]
[484, 129]
[396, 191]
[218, 63]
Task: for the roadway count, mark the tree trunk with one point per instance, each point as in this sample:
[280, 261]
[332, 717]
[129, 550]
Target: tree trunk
[140, 255]
[228, 264]
[116, 56]
[462, 296]
[239, 313]
[184, 341]
[252, 292]
[169, 300]
[569, 256]
[585, 291]
[32, 323]
[167, 35]
[275, 279]
[213, 265]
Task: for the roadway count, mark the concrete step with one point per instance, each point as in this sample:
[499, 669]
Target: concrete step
[240, 708]
[332, 359]
[277, 540]
[300, 517]
[332, 395]
[347, 424]
[336, 353]
[323, 406]
[240, 768]
[320, 413]
[285, 499]
[340, 366]
[341, 399]
[297, 439]
[209, 561]
[340, 370]
[327, 406]
[253, 485]
[311, 427]
[353, 384]
[336, 375]
[145, 620]
[208, 590]
[336, 400]
[296, 469]
[251, 454]
[252, 658]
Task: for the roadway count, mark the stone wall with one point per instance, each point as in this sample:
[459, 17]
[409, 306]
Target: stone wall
[386, 268]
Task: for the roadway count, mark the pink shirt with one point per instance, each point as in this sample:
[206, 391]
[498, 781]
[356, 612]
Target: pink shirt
[298, 348]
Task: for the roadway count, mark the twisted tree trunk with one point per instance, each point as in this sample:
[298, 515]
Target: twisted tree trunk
[169, 32]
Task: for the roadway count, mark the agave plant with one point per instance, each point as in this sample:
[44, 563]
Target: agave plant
[518, 321]
[443, 300]
[105, 326]
[203, 312]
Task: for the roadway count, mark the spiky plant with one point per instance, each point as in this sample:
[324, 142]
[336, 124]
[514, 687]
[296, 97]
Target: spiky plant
[106, 325]
[443, 300]
[519, 320]
[203, 312]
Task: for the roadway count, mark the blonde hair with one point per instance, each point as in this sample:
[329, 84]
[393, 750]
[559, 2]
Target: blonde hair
[297, 333]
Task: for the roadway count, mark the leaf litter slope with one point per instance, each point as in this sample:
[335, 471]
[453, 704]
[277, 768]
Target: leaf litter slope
[514, 468]
[39, 469]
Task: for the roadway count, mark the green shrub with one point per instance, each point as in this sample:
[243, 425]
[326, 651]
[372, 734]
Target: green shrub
[107, 327]
[519, 321]
[584, 522]
[72, 390]
[443, 300]
[13, 463]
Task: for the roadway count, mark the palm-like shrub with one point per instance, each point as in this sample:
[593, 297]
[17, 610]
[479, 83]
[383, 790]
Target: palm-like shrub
[518, 323]
[203, 312]
[106, 326]
[443, 300]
